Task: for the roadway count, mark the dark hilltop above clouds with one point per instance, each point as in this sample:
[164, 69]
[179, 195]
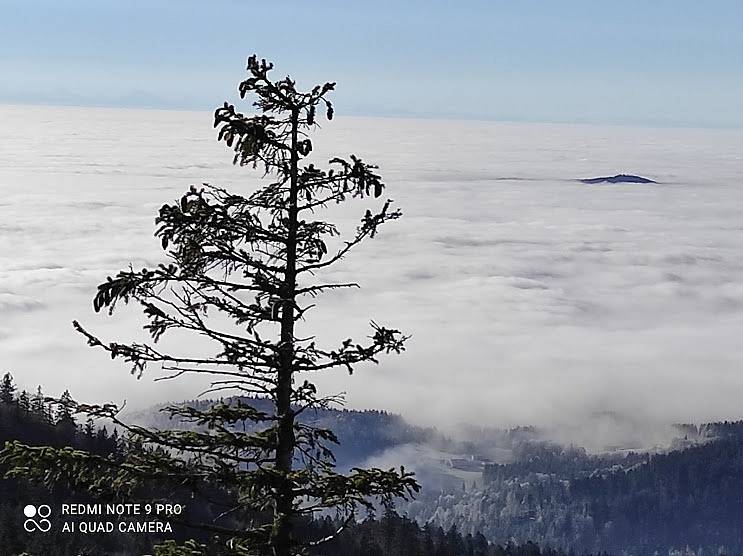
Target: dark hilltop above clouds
[619, 178]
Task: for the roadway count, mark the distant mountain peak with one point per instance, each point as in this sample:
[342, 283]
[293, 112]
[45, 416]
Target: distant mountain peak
[619, 178]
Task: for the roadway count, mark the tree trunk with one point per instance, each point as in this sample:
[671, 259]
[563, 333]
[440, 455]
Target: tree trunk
[283, 509]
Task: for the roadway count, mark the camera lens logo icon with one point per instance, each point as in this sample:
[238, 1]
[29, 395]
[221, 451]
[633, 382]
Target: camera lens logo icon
[36, 518]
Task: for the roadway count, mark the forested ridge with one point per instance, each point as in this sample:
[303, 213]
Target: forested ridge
[395, 535]
[36, 420]
[361, 433]
[688, 499]
[32, 419]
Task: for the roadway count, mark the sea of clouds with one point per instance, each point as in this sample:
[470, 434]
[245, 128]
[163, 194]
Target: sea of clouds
[530, 297]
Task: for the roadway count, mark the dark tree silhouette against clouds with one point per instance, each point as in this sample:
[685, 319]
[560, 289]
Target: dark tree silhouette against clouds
[241, 272]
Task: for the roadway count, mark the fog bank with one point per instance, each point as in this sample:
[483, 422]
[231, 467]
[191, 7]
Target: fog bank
[531, 298]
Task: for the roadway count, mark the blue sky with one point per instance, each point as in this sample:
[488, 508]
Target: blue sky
[667, 62]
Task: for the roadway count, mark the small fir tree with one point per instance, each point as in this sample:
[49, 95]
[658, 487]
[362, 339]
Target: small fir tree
[7, 389]
[24, 401]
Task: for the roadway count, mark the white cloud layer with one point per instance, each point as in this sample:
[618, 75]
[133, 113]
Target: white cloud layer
[530, 297]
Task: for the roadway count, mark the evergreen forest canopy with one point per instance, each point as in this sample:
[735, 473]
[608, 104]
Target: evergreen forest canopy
[37, 420]
[683, 498]
[685, 501]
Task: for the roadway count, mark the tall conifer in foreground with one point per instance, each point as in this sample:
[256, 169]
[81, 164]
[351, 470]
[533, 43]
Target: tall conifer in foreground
[241, 272]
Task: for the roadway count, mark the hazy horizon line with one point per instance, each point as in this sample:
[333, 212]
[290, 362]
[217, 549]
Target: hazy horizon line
[651, 124]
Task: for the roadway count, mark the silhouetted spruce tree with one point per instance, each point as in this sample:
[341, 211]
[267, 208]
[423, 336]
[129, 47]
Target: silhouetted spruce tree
[64, 412]
[7, 389]
[24, 402]
[39, 406]
[89, 428]
[240, 273]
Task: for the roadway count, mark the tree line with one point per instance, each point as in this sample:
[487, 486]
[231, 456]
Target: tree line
[38, 419]
[686, 499]
[41, 423]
